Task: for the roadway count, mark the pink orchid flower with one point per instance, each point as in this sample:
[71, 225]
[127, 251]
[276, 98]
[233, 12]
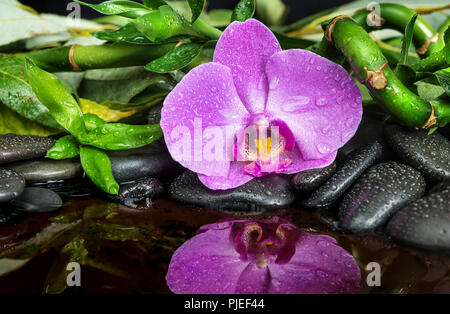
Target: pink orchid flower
[261, 257]
[302, 106]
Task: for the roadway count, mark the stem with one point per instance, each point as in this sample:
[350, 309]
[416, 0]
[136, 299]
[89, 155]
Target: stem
[97, 57]
[206, 29]
[397, 16]
[370, 65]
[430, 64]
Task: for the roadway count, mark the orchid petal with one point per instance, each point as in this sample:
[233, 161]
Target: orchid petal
[236, 177]
[203, 101]
[318, 100]
[245, 47]
[318, 266]
[205, 264]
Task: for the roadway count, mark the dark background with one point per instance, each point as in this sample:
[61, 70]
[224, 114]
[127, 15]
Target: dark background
[299, 8]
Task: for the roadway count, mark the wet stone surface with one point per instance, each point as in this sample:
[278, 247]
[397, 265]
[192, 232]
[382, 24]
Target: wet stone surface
[150, 161]
[266, 193]
[38, 200]
[141, 190]
[346, 174]
[19, 147]
[44, 170]
[378, 194]
[12, 185]
[424, 223]
[427, 153]
[309, 180]
[369, 130]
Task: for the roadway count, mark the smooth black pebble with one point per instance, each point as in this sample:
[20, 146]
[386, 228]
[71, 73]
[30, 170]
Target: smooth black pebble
[140, 190]
[266, 193]
[45, 170]
[15, 147]
[12, 185]
[430, 154]
[346, 174]
[378, 194]
[153, 160]
[424, 223]
[309, 180]
[38, 200]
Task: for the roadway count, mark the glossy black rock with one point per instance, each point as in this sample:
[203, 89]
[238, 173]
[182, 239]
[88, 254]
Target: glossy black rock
[427, 153]
[265, 193]
[12, 185]
[424, 223]
[141, 190]
[44, 170]
[150, 161]
[378, 194]
[309, 180]
[38, 200]
[346, 174]
[19, 147]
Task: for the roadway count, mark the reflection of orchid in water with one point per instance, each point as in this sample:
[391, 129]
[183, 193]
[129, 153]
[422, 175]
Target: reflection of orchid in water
[267, 256]
[312, 102]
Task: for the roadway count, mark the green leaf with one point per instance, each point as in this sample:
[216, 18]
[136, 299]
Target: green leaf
[154, 4]
[243, 10]
[271, 12]
[217, 18]
[292, 42]
[97, 166]
[128, 33]
[65, 147]
[17, 93]
[118, 136]
[8, 265]
[124, 8]
[407, 40]
[122, 86]
[176, 59]
[447, 45]
[61, 104]
[11, 122]
[93, 121]
[162, 24]
[196, 8]
[428, 91]
[443, 77]
[105, 113]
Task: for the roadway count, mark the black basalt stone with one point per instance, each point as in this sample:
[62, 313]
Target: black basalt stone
[45, 170]
[152, 160]
[378, 194]
[266, 193]
[346, 174]
[19, 147]
[12, 185]
[424, 223]
[38, 200]
[430, 154]
[309, 180]
[140, 190]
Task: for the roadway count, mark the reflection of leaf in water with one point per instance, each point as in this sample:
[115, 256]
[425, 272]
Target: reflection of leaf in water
[8, 265]
[51, 236]
[74, 251]
[99, 210]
